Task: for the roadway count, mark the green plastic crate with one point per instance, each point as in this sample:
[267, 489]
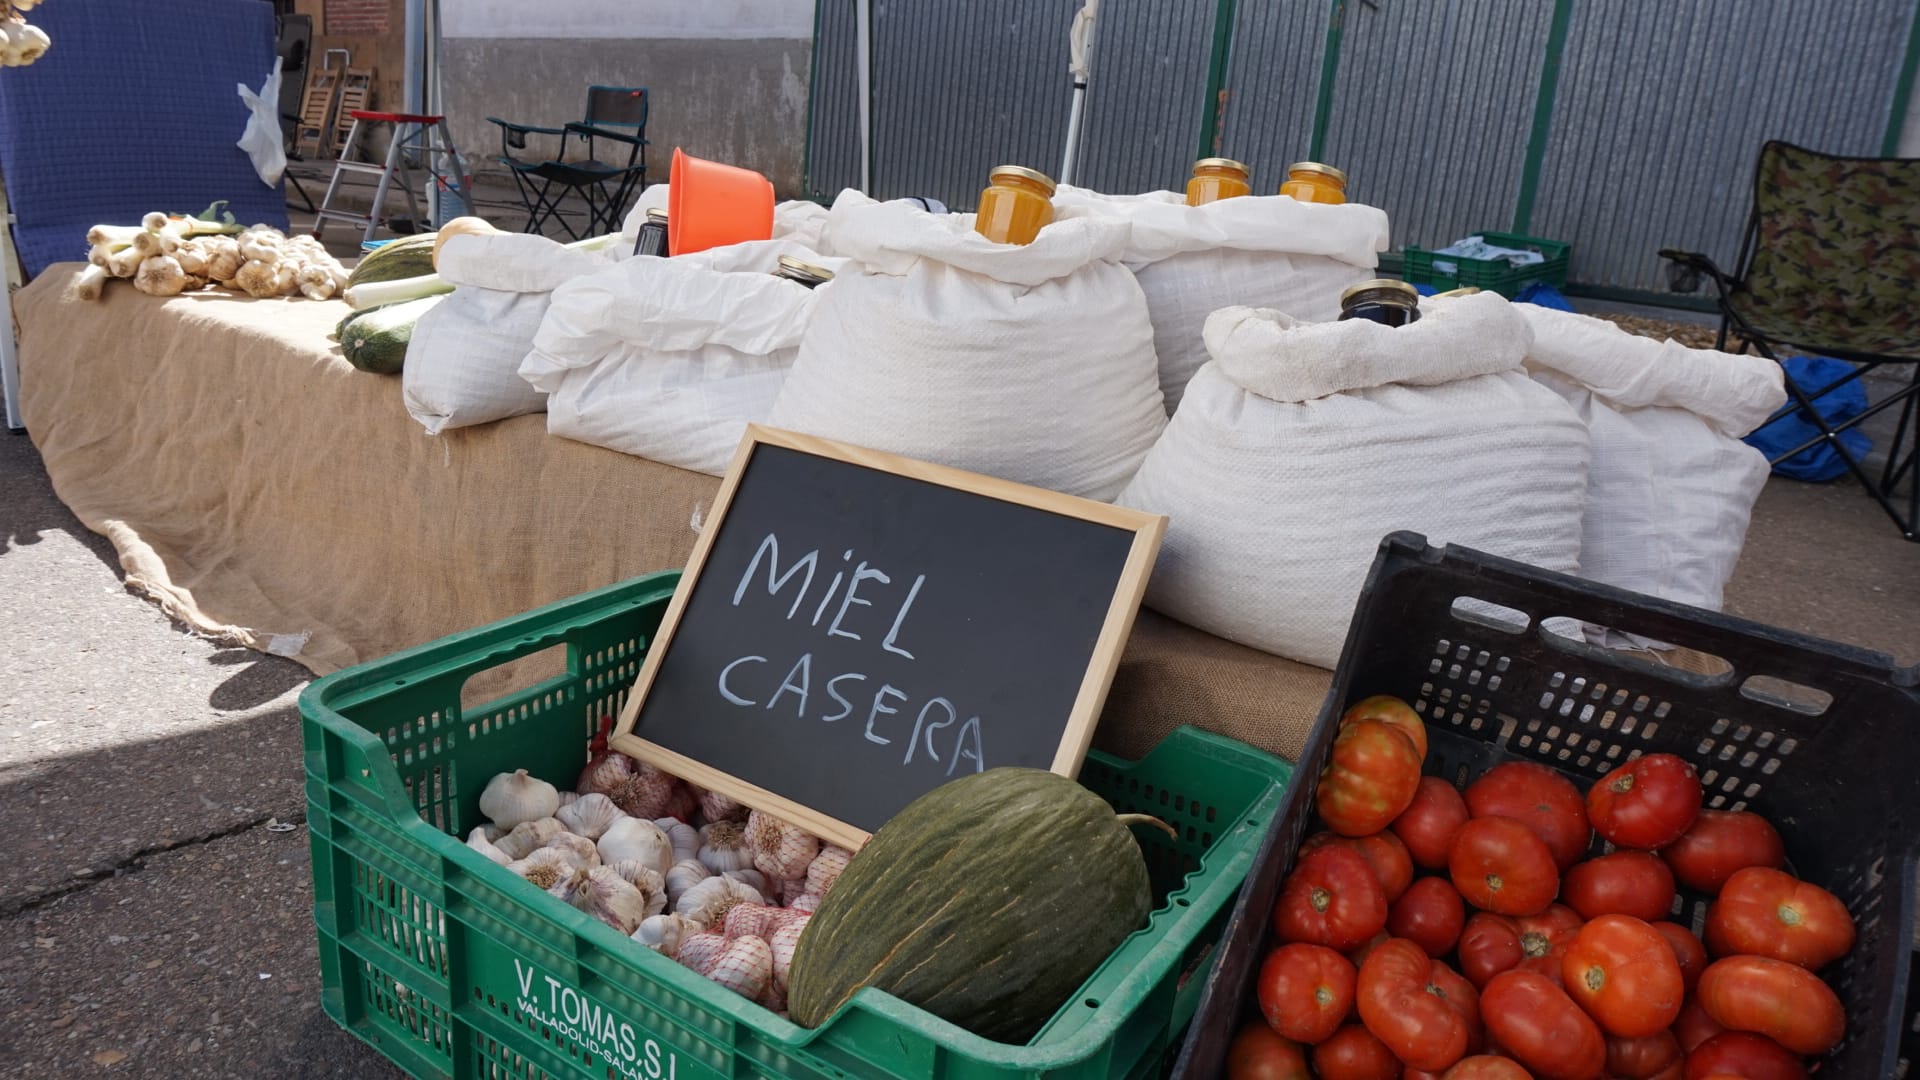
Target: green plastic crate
[453, 967]
[1494, 275]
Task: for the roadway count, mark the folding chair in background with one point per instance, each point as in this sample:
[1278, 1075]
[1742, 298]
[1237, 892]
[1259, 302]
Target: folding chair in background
[1830, 266]
[605, 186]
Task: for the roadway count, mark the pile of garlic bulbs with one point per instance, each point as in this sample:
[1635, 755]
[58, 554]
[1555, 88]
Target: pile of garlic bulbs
[20, 44]
[166, 256]
[688, 873]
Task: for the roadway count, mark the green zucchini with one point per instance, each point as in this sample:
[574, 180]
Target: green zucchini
[987, 901]
[376, 339]
[407, 257]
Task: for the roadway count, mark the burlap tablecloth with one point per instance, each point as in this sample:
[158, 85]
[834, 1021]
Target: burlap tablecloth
[265, 493]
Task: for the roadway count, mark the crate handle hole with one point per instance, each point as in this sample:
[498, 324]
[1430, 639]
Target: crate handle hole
[1493, 616]
[1092, 1003]
[1786, 694]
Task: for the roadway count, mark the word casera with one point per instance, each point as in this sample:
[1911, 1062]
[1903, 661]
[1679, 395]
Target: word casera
[743, 682]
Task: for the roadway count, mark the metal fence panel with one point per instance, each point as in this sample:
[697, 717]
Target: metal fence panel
[1146, 99]
[1662, 108]
[833, 122]
[1272, 79]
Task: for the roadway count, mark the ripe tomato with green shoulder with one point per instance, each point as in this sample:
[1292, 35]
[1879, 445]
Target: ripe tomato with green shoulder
[1491, 944]
[1767, 912]
[1430, 915]
[1541, 799]
[1632, 883]
[1746, 1055]
[1305, 991]
[1383, 851]
[1332, 898]
[1424, 1023]
[1257, 1053]
[1646, 803]
[1721, 842]
[1392, 711]
[1785, 1002]
[1537, 1024]
[1370, 780]
[1353, 1053]
[1427, 825]
[1500, 865]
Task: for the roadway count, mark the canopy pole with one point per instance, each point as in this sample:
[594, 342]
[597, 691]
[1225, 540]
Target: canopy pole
[863, 49]
[1080, 65]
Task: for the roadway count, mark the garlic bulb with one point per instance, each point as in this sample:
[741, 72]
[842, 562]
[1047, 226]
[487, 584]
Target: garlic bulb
[612, 899]
[684, 875]
[699, 951]
[681, 802]
[477, 840]
[578, 848]
[590, 815]
[745, 967]
[752, 879]
[684, 837]
[790, 890]
[493, 832]
[511, 798]
[708, 902]
[783, 942]
[529, 836]
[634, 786]
[636, 871]
[663, 933]
[723, 847]
[545, 867]
[717, 807]
[807, 902]
[568, 798]
[748, 920]
[637, 839]
[780, 851]
[604, 774]
[825, 869]
[774, 1001]
[646, 879]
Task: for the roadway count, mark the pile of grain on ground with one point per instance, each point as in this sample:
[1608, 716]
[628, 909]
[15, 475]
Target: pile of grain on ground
[1692, 335]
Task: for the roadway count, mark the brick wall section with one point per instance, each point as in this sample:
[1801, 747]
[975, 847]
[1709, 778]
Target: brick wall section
[357, 16]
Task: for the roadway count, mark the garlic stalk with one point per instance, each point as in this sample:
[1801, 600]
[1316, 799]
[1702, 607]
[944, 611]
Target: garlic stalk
[509, 798]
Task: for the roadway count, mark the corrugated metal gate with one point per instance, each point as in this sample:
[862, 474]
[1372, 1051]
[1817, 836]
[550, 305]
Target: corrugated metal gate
[1622, 126]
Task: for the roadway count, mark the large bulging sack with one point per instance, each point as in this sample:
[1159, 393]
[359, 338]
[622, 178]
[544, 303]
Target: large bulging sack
[670, 359]
[1672, 486]
[1032, 363]
[1301, 445]
[463, 364]
[1254, 251]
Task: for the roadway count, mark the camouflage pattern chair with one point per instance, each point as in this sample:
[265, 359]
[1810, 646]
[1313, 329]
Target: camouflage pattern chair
[1830, 266]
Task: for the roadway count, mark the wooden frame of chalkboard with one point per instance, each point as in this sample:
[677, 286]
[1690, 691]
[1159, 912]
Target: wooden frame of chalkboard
[1113, 539]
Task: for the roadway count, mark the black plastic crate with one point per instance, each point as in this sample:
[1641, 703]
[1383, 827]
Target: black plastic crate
[1822, 738]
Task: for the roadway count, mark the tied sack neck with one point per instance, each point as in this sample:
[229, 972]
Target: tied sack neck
[1282, 358]
[892, 238]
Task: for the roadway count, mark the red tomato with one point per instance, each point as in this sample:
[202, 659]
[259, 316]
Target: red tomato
[1422, 1023]
[1646, 803]
[1745, 1055]
[1772, 913]
[1649, 1057]
[1694, 1026]
[1487, 1067]
[1453, 987]
[1359, 956]
[1686, 949]
[1383, 851]
[1428, 825]
[1720, 842]
[1354, 1054]
[1625, 975]
[1540, 1026]
[1391, 711]
[1305, 991]
[1782, 1001]
[1491, 943]
[1331, 899]
[1411, 1073]
[1258, 1054]
[1429, 915]
[1498, 864]
[1540, 798]
[1371, 779]
[1624, 883]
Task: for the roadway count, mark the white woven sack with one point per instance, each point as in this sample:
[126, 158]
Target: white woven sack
[799, 220]
[1672, 486]
[1299, 446]
[1033, 363]
[1258, 251]
[670, 359]
[463, 364]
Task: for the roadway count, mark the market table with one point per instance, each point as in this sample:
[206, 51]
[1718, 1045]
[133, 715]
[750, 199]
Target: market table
[265, 493]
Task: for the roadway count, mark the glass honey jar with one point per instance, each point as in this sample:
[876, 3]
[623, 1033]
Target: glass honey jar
[1217, 178]
[1017, 203]
[1382, 300]
[803, 272]
[1310, 181]
[652, 239]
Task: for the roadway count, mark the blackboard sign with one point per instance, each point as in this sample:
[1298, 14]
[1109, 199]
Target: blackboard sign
[855, 629]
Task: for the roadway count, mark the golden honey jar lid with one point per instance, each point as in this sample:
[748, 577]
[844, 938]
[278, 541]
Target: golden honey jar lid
[1221, 163]
[1396, 291]
[1021, 172]
[1316, 167]
[804, 271]
[656, 214]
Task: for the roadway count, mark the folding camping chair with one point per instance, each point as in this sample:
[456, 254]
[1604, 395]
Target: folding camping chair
[1830, 266]
[605, 186]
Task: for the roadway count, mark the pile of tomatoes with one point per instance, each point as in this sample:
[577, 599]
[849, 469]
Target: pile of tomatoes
[1562, 967]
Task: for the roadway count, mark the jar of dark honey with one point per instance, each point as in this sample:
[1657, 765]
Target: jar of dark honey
[1382, 300]
[652, 239]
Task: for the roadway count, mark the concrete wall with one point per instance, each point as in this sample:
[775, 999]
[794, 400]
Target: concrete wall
[727, 78]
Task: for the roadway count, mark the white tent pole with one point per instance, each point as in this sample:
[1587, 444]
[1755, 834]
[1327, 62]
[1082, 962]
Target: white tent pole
[1080, 65]
[863, 50]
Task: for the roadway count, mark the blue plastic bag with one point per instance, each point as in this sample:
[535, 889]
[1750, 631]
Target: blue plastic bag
[1818, 463]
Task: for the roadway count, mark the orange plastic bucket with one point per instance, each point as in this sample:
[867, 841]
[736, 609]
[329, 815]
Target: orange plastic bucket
[710, 204]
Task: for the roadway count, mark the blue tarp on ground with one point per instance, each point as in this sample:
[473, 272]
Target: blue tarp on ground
[134, 108]
[1821, 462]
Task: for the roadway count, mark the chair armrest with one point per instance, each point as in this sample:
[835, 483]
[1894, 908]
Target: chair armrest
[591, 131]
[525, 128]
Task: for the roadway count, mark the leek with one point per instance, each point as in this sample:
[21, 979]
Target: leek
[375, 293]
